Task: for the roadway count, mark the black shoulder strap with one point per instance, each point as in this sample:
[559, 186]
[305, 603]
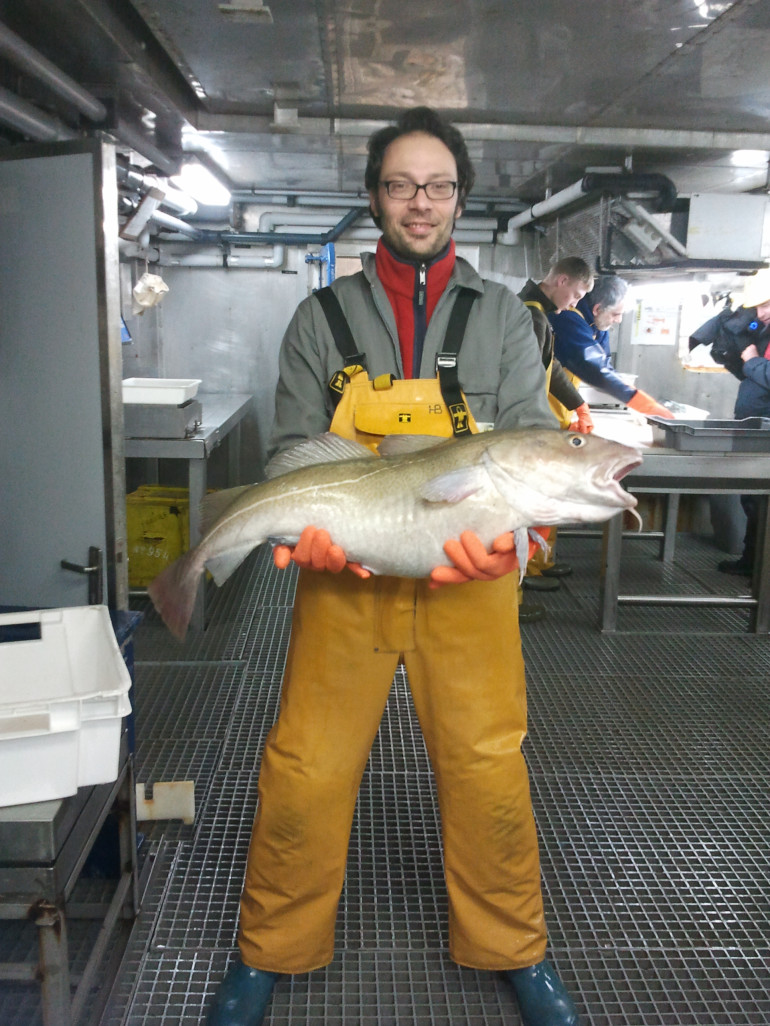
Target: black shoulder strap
[446, 361]
[340, 329]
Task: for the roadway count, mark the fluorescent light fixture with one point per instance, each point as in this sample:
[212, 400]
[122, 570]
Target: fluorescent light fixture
[198, 182]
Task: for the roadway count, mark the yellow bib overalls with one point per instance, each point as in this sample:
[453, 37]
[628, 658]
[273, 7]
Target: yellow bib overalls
[461, 648]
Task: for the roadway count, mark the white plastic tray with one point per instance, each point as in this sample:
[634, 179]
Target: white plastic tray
[169, 391]
[63, 699]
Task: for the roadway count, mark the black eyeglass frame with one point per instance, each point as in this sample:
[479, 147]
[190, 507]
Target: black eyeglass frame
[426, 186]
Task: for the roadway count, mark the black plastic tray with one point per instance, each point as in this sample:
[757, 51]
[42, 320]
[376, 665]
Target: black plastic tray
[752, 434]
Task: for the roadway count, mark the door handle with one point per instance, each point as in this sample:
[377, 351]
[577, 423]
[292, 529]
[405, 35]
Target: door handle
[94, 573]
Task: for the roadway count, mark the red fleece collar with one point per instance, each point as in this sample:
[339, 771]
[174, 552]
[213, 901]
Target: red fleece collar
[398, 275]
[400, 280]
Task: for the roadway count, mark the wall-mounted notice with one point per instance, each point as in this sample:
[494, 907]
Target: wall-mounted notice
[655, 324]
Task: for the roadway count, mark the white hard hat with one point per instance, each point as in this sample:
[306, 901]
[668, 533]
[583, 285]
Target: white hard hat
[756, 291]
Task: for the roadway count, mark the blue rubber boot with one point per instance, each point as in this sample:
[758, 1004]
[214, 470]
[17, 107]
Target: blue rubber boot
[543, 1001]
[242, 998]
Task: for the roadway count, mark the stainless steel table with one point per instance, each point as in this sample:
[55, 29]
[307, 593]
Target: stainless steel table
[43, 849]
[221, 421]
[672, 473]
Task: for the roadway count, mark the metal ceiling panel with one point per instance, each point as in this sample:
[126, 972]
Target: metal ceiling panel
[237, 60]
[282, 95]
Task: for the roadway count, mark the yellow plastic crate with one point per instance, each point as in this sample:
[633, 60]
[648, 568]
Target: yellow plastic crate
[158, 529]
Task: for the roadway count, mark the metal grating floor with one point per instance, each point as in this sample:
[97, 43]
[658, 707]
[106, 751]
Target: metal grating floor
[649, 763]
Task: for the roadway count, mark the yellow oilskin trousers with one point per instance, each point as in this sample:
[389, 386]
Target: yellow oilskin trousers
[461, 648]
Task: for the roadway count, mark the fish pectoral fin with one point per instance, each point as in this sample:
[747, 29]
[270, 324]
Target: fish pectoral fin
[539, 540]
[455, 485]
[326, 448]
[521, 544]
[223, 565]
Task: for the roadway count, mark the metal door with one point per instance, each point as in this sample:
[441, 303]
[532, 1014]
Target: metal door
[62, 491]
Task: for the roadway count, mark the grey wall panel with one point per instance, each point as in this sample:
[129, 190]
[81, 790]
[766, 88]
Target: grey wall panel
[52, 479]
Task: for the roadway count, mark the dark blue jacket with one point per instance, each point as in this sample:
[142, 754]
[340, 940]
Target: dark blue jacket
[585, 351]
[753, 399]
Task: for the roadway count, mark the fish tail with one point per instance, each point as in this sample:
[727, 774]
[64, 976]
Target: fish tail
[174, 590]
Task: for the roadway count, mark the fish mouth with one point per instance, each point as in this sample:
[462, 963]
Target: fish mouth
[614, 474]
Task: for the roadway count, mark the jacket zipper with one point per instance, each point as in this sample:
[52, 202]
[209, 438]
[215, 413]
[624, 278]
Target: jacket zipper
[420, 325]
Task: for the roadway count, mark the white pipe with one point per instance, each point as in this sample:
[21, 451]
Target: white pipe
[134, 248]
[460, 235]
[270, 219]
[173, 198]
[638, 212]
[28, 59]
[547, 206]
[174, 256]
[300, 198]
[295, 223]
[173, 223]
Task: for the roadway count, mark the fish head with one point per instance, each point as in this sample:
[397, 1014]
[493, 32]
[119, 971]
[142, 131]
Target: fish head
[561, 476]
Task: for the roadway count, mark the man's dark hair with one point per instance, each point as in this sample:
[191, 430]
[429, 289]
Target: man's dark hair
[429, 121]
[608, 291]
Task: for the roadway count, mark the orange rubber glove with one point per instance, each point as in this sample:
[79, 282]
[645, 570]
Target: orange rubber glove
[472, 562]
[643, 403]
[316, 551]
[582, 420]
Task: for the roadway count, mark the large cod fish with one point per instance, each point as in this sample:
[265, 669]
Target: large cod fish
[393, 511]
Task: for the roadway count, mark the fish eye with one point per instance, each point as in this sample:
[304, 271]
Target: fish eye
[576, 441]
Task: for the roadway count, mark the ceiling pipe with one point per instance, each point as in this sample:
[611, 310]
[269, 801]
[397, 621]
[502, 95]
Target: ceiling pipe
[224, 258]
[577, 135]
[30, 122]
[26, 58]
[659, 187]
[173, 198]
[129, 248]
[634, 185]
[139, 142]
[272, 220]
[288, 238]
[174, 224]
[310, 198]
[637, 211]
[570, 135]
[461, 236]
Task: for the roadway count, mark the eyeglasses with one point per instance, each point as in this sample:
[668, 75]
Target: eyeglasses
[400, 189]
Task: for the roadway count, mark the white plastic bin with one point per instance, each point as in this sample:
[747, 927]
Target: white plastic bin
[168, 391]
[63, 694]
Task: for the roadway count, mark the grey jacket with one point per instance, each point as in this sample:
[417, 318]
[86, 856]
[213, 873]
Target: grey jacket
[499, 364]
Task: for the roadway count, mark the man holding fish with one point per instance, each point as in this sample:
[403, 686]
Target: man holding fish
[455, 630]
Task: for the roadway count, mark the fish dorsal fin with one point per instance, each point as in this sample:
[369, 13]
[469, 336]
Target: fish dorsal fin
[455, 485]
[214, 504]
[402, 445]
[326, 448]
